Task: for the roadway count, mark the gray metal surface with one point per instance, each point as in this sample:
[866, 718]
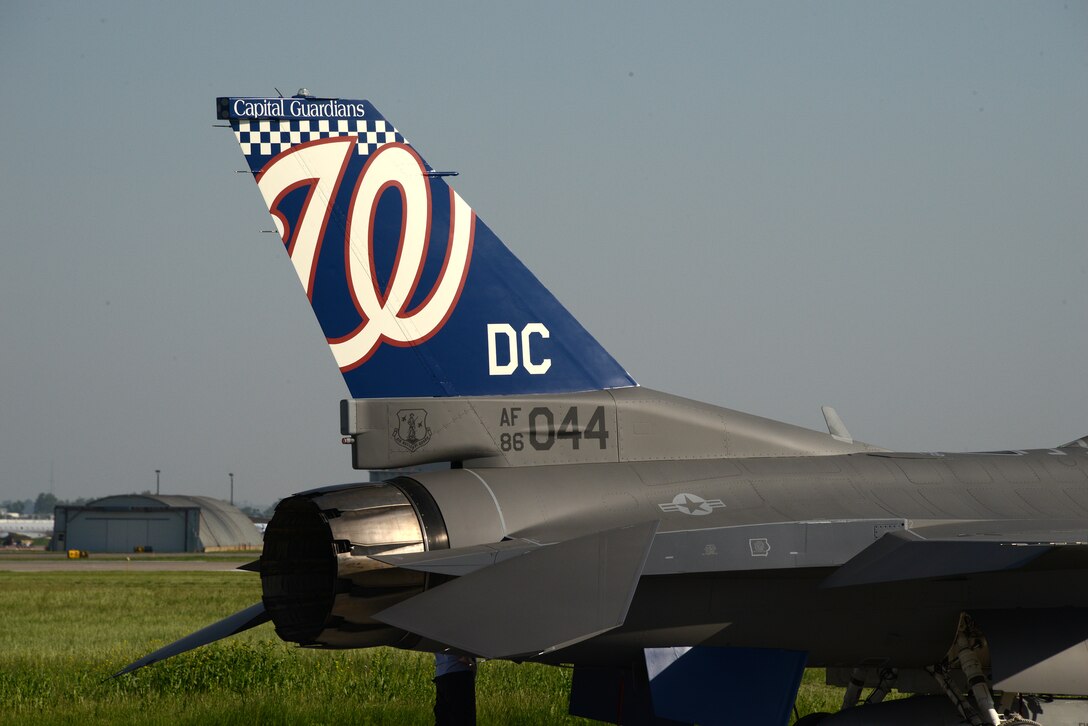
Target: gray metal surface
[1038, 653]
[718, 549]
[624, 424]
[741, 549]
[904, 555]
[1058, 711]
[251, 617]
[461, 561]
[321, 584]
[776, 532]
[769, 546]
[541, 601]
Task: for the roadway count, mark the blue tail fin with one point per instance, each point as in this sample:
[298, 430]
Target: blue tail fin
[416, 296]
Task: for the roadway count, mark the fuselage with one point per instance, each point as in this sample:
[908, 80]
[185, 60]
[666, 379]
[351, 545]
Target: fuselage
[697, 592]
[740, 557]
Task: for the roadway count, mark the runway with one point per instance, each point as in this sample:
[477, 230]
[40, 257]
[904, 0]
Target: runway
[46, 563]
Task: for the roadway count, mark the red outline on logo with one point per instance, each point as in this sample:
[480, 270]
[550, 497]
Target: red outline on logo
[370, 246]
[446, 264]
[382, 338]
[350, 147]
[382, 297]
[290, 234]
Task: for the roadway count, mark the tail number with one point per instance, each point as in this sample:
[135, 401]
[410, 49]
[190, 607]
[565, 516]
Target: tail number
[543, 433]
[516, 355]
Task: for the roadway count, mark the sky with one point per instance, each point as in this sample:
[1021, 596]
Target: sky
[767, 206]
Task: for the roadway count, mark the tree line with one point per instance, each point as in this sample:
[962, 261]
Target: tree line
[43, 505]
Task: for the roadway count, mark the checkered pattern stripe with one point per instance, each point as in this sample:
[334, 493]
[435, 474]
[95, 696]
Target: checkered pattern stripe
[268, 137]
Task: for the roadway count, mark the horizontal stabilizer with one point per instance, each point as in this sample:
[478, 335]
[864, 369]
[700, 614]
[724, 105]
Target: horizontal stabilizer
[551, 597]
[903, 555]
[251, 617]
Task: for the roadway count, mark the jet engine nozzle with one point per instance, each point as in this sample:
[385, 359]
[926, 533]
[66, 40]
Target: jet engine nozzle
[321, 586]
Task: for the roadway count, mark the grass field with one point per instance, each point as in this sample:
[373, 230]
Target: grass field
[63, 633]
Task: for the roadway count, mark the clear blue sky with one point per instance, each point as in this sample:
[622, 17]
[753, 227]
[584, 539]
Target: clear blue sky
[768, 206]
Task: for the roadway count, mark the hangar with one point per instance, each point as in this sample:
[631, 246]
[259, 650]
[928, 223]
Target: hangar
[153, 523]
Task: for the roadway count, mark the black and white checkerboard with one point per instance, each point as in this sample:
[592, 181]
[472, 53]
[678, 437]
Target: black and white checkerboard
[268, 137]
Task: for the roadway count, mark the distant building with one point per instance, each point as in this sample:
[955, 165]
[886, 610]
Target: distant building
[153, 523]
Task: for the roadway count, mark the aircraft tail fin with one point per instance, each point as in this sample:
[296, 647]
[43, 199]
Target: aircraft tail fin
[415, 294]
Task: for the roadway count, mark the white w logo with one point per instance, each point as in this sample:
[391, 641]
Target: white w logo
[320, 165]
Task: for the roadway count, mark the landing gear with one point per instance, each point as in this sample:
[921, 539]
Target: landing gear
[857, 682]
[979, 707]
[963, 694]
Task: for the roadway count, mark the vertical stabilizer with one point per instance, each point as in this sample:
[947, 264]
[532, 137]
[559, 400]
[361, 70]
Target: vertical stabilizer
[415, 294]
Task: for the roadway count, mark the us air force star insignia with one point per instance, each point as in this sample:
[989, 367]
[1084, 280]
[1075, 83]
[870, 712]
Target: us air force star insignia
[692, 504]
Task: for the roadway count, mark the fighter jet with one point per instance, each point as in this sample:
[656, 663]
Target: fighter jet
[689, 561]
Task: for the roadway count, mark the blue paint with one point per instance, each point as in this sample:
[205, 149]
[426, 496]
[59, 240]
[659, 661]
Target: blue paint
[497, 287]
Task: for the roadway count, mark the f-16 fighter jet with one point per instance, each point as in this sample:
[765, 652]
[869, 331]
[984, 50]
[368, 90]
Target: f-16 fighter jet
[688, 561]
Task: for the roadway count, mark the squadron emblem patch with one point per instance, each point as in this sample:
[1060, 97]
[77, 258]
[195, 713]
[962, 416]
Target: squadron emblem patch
[411, 430]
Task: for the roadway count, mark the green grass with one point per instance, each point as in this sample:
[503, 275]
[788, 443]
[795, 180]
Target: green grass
[63, 633]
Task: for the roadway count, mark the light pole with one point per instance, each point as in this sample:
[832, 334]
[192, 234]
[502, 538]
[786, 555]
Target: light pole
[157, 481]
[231, 475]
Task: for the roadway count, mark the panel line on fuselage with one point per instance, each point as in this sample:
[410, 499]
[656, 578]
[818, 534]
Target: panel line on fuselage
[502, 520]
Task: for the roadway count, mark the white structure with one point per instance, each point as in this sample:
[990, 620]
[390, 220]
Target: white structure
[154, 523]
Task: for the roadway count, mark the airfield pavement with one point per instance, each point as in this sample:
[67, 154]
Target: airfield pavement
[38, 561]
[117, 566]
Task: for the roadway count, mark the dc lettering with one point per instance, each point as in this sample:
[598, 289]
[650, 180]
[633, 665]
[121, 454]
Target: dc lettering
[504, 340]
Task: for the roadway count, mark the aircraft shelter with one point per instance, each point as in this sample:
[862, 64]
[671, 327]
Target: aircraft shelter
[153, 523]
